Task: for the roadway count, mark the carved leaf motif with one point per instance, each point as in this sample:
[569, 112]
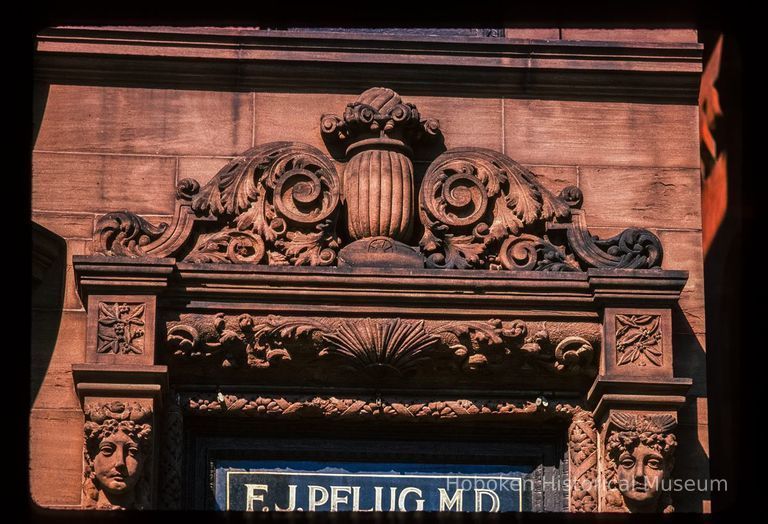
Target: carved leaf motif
[119, 327]
[238, 186]
[637, 339]
[461, 252]
[277, 259]
[465, 189]
[284, 195]
[524, 199]
[254, 219]
[491, 178]
[308, 248]
[134, 316]
[212, 249]
[505, 220]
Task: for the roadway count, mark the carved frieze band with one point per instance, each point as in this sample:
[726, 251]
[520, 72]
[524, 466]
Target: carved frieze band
[117, 451]
[638, 459]
[374, 345]
[278, 204]
[355, 408]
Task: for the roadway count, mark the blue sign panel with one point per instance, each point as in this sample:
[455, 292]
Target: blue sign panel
[365, 486]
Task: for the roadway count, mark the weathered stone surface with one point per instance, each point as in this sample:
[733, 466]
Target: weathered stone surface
[103, 183]
[691, 361]
[202, 169]
[631, 35]
[66, 225]
[302, 110]
[601, 133]
[74, 247]
[145, 120]
[56, 456]
[682, 250]
[555, 178]
[58, 342]
[463, 121]
[533, 33]
[653, 197]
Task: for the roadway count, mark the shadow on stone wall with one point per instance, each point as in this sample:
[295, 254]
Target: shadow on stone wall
[49, 257]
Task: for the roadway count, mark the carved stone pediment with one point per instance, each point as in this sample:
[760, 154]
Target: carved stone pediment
[280, 204]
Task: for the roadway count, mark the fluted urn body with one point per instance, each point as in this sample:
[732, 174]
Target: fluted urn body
[378, 187]
[378, 191]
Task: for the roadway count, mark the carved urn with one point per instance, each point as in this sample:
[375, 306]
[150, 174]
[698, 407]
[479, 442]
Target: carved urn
[378, 187]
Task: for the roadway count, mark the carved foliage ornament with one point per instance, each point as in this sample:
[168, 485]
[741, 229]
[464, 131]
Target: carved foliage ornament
[278, 204]
[117, 449]
[638, 340]
[582, 458]
[372, 346]
[639, 452]
[120, 328]
[357, 409]
[477, 206]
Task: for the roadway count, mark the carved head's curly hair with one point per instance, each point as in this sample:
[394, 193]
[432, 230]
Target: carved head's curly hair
[651, 430]
[105, 420]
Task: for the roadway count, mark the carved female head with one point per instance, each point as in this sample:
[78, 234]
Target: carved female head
[640, 458]
[117, 446]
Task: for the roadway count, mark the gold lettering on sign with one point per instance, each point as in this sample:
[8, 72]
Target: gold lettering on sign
[250, 494]
[448, 503]
[291, 499]
[405, 493]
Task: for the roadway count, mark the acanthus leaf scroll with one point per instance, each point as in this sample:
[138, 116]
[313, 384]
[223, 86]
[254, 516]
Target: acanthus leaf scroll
[279, 200]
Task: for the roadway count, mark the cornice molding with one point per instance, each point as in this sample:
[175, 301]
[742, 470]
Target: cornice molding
[272, 59]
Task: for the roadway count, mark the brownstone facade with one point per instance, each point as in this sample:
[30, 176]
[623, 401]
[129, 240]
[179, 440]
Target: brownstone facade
[366, 230]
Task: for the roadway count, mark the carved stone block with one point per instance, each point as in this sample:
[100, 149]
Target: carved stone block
[637, 460]
[638, 342]
[121, 329]
[118, 453]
